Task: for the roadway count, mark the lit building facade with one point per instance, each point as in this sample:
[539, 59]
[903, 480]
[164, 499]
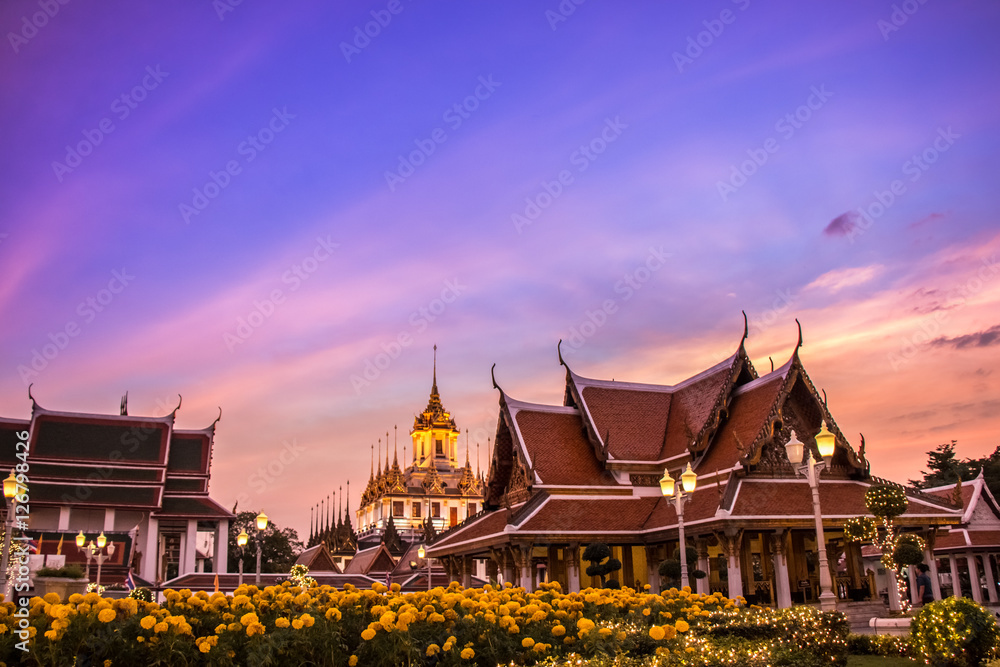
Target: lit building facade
[431, 489]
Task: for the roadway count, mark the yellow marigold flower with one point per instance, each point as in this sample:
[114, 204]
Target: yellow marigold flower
[558, 631]
[235, 627]
[352, 661]
[514, 629]
[107, 615]
[527, 642]
[147, 622]
[541, 648]
[281, 622]
[297, 624]
[75, 598]
[621, 636]
[51, 635]
[468, 654]
[656, 632]
[161, 627]
[670, 632]
[433, 649]
[681, 626]
[255, 629]
[140, 639]
[249, 619]
[333, 614]
[368, 634]
[584, 624]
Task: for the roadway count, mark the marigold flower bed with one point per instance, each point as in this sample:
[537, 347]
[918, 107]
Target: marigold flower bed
[288, 624]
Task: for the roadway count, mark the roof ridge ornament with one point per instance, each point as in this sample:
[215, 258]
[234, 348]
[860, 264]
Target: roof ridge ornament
[494, 378]
[799, 344]
[217, 419]
[746, 327]
[562, 362]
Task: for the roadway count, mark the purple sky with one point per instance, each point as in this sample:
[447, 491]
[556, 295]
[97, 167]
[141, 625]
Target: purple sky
[651, 167]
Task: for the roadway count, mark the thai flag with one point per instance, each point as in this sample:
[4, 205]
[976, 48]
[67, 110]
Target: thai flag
[32, 546]
[130, 582]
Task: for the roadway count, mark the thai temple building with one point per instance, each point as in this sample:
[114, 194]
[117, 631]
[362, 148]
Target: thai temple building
[138, 480]
[430, 492]
[589, 470]
[336, 535]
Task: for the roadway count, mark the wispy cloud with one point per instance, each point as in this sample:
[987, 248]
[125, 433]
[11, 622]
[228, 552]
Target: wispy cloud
[984, 338]
[838, 279]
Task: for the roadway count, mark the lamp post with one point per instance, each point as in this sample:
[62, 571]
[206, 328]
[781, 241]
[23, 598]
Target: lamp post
[681, 494]
[81, 541]
[258, 538]
[422, 553]
[10, 493]
[826, 442]
[241, 540]
[102, 552]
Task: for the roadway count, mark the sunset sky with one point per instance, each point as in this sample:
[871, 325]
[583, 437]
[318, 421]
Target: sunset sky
[246, 204]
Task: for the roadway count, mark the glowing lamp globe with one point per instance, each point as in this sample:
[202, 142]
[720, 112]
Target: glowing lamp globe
[826, 442]
[81, 539]
[421, 552]
[101, 540]
[10, 486]
[242, 538]
[794, 448]
[261, 521]
[689, 480]
[667, 484]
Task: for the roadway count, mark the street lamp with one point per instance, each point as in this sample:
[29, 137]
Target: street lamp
[261, 527]
[241, 540]
[826, 442]
[681, 495]
[101, 553]
[10, 493]
[422, 553]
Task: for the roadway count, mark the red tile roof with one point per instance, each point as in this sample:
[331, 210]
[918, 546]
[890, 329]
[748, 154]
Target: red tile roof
[748, 413]
[488, 524]
[560, 515]
[763, 497]
[559, 450]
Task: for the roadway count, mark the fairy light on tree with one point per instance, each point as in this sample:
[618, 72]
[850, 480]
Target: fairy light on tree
[886, 502]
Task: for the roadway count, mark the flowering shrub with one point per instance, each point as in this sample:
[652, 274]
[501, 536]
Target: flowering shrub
[954, 632]
[321, 625]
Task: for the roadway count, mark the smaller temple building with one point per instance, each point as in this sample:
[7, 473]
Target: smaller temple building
[139, 480]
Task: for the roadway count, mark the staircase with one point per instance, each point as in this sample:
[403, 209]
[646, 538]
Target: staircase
[859, 613]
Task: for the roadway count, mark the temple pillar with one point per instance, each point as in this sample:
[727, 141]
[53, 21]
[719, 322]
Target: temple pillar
[932, 571]
[508, 565]
[221, 562]
[914, 592]
[956, 583]
[782, 585]
[705, 565]
[189, 556]
[64, 512]
[653, 568]
[895, 604]
[573, 568]
[109, 519]
[467, 565]
[977, 591]
[150, 550]
[731, 546]
[991, 588]
[527, 581]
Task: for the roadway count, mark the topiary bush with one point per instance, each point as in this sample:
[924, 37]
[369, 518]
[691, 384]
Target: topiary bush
[887, 646]
[954, 632]
[602, 563]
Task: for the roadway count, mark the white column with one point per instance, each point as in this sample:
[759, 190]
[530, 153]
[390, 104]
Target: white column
[64, 518]
[526, 578]
[933, 573]
[222, 546]
[190, 548]
[894, 601]
[109, 520]
[977, 591]
[150, 550]
[956, 584]
[783, 586]
[573, 567]
[912, 570]
[703, 565]
[991, 588]
[735, 576]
